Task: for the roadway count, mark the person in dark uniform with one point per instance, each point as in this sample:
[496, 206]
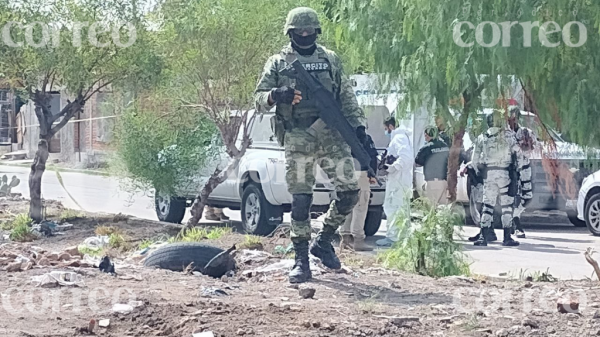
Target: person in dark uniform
[433, 156]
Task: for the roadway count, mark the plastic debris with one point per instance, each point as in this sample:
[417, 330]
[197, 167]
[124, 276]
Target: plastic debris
[58, 278]
[95, 243]
[212, 291]
[122, 308]
[204, 334]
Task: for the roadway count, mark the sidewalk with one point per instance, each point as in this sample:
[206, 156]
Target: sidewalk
[52, 167]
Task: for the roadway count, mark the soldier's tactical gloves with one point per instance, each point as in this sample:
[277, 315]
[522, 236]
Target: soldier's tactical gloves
[361, 134]
[283, 95]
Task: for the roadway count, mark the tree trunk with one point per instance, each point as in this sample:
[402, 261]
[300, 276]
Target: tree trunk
[454, 156]
[35, 181]
[215, 179]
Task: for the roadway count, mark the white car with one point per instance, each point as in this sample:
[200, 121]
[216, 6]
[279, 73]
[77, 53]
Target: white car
[258, 188]
[588, 202]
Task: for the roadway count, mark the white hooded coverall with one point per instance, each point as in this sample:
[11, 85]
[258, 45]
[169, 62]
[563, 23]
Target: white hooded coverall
[398, 189]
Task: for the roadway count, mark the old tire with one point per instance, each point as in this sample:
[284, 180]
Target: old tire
[255, 211]
[572, 215]
[373, 221]
[168, 208]
[177, 256]
[592, 214]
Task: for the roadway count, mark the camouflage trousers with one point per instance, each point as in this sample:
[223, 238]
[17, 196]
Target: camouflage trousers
[327, 150]
[497, 183]
[526, 188]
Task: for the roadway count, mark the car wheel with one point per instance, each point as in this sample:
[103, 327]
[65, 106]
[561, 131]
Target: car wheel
[373, 221]
[592, 214]
[168, 208]
[255, 211]
[572, 215]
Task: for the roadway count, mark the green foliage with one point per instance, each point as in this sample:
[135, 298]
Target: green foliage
[162, 149]
[219, 232]
[70, 214]
[20, 228]
[145, 244]
[91, 252]
[252, 242]
[426, 243]
[20, 220]
[197, 234]
[413, 40]
[117, 241]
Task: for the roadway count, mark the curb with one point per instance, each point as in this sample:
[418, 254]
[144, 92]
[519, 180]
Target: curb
[60, 169]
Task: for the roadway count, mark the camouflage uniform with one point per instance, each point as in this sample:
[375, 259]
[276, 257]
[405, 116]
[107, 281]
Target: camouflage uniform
[303, 149]
[494, 149]
[526, 187]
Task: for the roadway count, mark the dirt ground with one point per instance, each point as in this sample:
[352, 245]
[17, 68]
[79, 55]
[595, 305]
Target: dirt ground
[362, 300]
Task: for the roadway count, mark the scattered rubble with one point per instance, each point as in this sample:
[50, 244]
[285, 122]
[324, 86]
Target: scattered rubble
[567, 305]
[306, 292]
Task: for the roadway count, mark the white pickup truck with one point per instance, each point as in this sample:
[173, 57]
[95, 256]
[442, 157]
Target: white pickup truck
[257, 187]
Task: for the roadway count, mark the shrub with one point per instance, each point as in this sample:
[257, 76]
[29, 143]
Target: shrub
[426, 244]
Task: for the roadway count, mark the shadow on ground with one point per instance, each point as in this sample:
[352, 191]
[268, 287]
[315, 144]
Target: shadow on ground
[362, 292]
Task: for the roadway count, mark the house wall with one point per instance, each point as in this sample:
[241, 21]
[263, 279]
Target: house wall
[84, 144]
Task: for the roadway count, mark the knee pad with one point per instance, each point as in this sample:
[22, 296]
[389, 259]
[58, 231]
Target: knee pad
[301, 206]
[346, 202]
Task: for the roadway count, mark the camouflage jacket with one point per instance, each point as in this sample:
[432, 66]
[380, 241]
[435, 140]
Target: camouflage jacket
[323, 64]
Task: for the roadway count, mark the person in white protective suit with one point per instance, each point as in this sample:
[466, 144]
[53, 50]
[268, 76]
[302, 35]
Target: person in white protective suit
[398, 190]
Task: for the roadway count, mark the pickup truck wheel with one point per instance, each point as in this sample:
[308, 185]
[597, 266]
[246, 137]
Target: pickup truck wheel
[373, 221]
[168, 208]
[572, 215]
[255, 211]
[592, 214]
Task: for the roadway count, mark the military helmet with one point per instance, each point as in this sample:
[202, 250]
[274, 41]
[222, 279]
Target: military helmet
[432, 131]
[494, 118]
[302, 17]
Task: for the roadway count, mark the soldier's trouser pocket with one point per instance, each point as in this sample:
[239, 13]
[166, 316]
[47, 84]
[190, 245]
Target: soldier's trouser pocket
[300, 153]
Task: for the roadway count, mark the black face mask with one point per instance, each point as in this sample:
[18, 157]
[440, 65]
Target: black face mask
[304, 45]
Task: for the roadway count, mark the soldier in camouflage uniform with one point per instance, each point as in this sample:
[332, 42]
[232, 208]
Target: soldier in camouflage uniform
[307, 141]
[496, 149]
[526, 141]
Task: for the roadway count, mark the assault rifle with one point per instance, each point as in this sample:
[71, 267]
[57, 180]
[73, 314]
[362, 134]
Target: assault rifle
[330, 112]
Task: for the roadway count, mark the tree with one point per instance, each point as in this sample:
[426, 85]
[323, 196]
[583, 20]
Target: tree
[214, 52]
[419, 42]
[76, 47]
[159, 145]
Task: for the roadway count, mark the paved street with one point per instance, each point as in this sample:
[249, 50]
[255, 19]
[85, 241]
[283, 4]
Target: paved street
[552, 241]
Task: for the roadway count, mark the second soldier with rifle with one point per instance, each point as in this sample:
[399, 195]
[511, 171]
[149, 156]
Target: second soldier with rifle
[306, 139]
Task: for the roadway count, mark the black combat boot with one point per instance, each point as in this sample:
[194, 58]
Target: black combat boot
[490, 236]
[476, 237]
[301, 271]
[508, 240]
[482, 240]
[322, 248]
